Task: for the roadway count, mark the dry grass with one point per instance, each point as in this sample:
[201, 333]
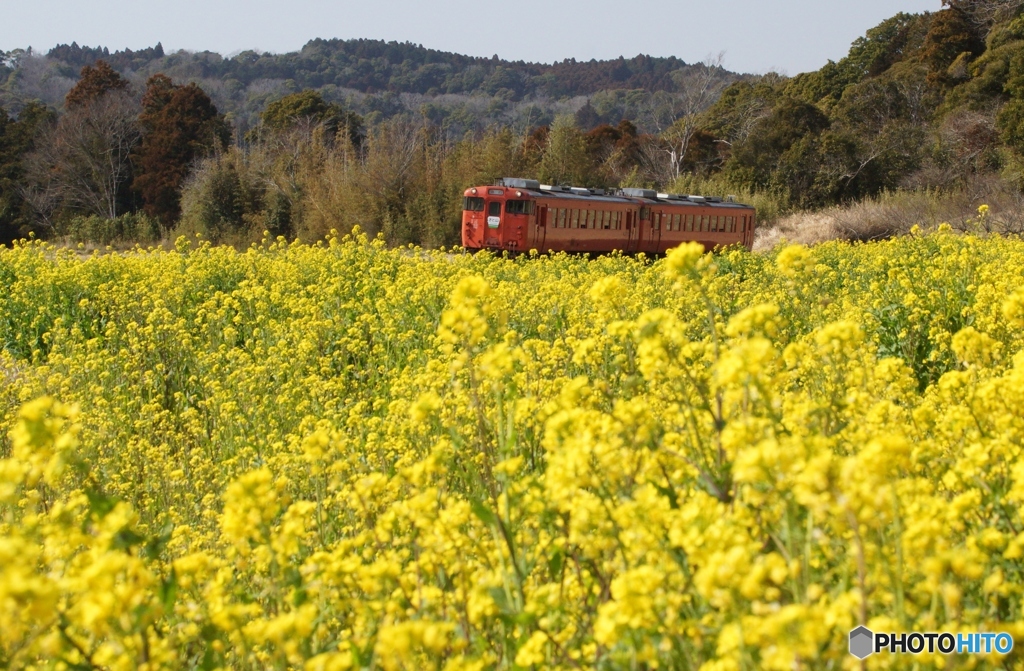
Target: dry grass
[896, 213]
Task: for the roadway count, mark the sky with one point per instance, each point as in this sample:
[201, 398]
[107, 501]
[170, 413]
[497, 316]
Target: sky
[787, 36]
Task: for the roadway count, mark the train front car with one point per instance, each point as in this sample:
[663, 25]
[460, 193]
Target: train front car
[500, 217]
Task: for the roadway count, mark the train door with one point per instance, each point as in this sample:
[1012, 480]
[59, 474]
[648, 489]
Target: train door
[540, 229]
[630, 234]
[636, 233]
[658, 222]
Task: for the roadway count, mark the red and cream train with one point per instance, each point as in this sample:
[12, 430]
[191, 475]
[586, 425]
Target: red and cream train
[522, 214]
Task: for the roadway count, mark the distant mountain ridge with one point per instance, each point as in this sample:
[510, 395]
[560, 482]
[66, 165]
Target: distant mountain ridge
[374, 66]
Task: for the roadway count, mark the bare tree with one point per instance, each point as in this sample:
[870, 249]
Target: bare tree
[755, 109]
[987, 12]
[83, 162]
[696, 89]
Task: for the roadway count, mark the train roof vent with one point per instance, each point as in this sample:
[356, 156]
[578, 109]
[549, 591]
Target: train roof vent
[596, 192]
[697, 199]
[520, 183]
[555, 187]
[730, 199]
[714, 199]
[669, 196]
[639, 193]
[579, 190]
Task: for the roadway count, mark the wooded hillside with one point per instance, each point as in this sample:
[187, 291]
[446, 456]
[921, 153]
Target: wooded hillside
[386, 135]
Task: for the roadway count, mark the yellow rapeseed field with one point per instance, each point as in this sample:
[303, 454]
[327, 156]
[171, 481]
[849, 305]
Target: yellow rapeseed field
[344, 456]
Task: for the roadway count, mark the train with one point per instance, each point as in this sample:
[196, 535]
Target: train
[518, 215]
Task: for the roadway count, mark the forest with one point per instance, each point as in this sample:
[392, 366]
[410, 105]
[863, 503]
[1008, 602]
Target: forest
[115, 147]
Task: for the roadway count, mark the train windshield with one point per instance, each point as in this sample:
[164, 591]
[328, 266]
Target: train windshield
[473, 204]
[519, 207]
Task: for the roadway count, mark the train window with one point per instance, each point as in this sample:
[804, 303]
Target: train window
[656, 221]
[705, 222]
[675, 222]
[615, 220]
[494, 210]
[519, 207]
[575, 219]
[473, 204]
[590, 219]
[645, 213]
[731, 224]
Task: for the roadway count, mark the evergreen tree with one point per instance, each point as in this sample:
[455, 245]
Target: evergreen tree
[309, 107]
[179, 125]
[566, 160]
[16, 139]
[95, 81]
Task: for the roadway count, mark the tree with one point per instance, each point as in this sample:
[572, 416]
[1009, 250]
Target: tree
[951, 34]
[696, 90]
[16, 140]
[179, 125]
[83, 162]
[783, 143]
[986, 12]
[308, 108]
[565, 160]
[95, 82]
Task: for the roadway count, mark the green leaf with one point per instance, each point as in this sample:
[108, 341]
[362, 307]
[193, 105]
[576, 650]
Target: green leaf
[99, 503]
[169, 590]
[485, 514]
[126, 539]
[555, 563]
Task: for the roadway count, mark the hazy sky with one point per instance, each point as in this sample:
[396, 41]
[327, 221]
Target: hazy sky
[790, 36]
